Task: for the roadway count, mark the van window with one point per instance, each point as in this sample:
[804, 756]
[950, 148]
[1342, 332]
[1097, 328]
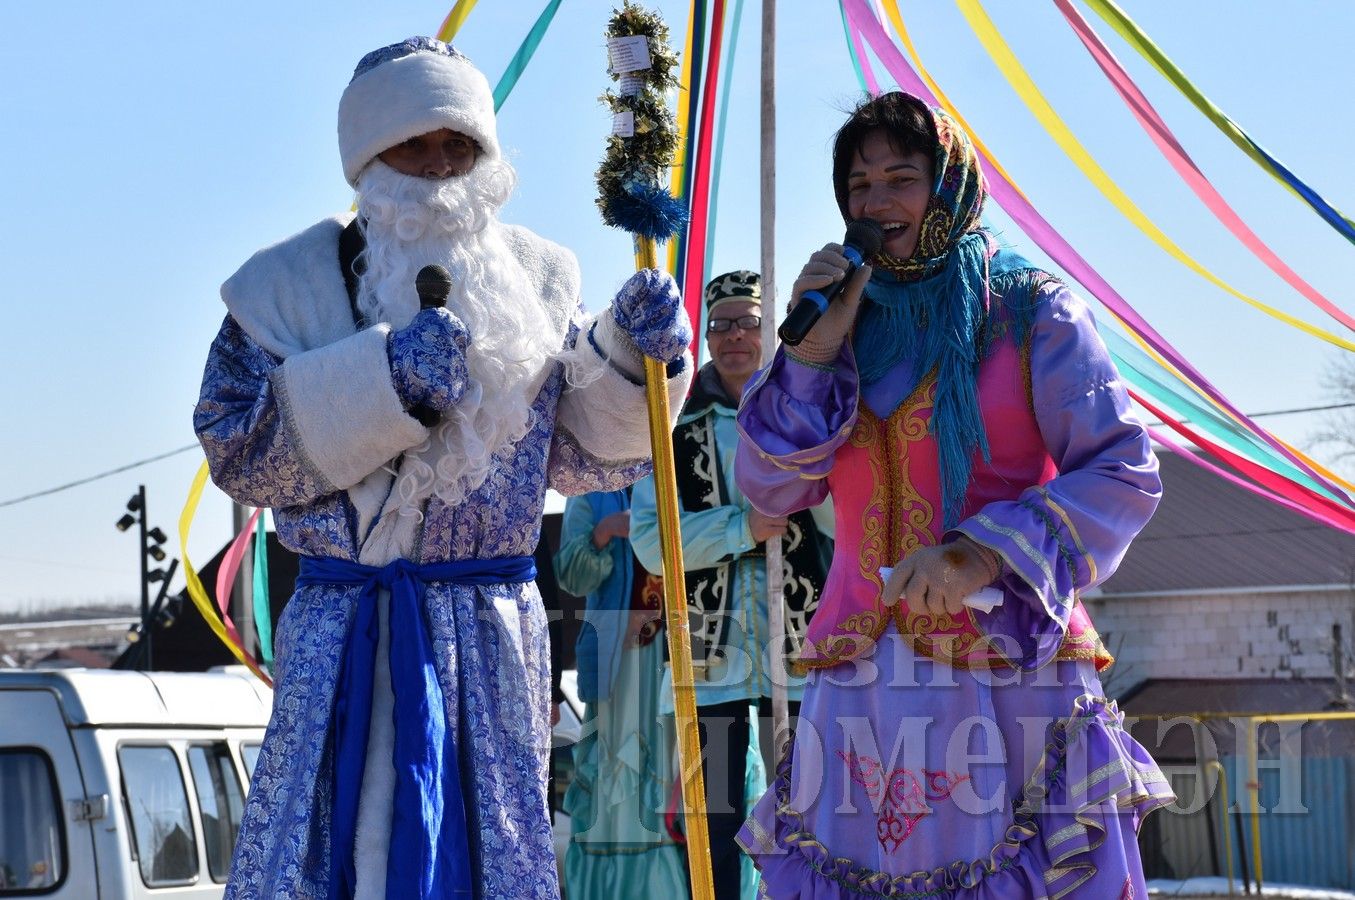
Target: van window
[32, 835]
[153, 789]
[219, 800]
[249, 754]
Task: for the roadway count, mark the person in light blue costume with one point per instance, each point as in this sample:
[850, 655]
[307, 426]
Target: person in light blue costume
[620, 848]
[406, 452]
[723, 547]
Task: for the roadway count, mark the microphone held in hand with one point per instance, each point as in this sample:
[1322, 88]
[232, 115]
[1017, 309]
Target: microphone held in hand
[433, 284]
[863, 240]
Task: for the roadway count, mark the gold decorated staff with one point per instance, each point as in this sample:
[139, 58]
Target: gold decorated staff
[632, 196]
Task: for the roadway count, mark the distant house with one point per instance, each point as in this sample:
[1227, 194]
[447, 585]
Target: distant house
[1229, 606]
[1225, 584]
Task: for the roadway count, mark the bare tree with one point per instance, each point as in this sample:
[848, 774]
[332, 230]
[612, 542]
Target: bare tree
[1338, 425]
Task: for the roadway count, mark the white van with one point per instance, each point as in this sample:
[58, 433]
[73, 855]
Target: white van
[118, 785]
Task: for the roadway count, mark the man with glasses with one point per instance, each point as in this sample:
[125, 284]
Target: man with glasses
[723, 547]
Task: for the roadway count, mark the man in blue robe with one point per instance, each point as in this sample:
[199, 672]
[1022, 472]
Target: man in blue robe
[406, 453]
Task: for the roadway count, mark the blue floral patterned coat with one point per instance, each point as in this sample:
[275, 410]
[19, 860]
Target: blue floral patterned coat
[298, 413]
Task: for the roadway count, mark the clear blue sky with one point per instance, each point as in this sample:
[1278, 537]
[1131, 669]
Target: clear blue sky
[150, 148]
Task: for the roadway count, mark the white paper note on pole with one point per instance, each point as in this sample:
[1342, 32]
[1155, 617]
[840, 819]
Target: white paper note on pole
[628, 54]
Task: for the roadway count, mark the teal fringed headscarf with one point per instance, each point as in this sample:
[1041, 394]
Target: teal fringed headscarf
[935, 308]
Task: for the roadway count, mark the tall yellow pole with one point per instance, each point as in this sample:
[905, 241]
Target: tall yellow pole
[1221, 780]
[675, 614]
[1254, 789]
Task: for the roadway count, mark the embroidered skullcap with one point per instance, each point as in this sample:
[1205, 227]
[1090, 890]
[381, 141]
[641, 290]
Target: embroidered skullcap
[740, 285]
[408, 89]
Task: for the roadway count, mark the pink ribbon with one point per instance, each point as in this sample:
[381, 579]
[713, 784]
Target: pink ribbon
[1029, 220]
[225, 575]
[1185, 167]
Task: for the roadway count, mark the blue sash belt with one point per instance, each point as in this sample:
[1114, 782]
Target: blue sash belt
[429, 847]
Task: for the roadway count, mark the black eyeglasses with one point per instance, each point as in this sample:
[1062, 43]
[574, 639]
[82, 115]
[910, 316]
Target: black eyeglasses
[744, 323]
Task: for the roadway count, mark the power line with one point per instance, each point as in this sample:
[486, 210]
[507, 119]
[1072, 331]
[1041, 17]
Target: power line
[1278, 412]
[119, 469]
[1304, 409]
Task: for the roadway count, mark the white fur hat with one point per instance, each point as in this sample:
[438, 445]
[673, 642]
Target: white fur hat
[408, 89]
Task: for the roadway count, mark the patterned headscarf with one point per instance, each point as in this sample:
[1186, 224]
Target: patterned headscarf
[956, 204]
[933, 308]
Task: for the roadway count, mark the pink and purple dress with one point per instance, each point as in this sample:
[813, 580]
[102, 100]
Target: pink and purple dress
[969, 756]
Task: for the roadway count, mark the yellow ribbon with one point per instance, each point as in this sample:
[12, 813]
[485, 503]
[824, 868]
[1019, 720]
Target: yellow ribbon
[895, 17]
[684, 99]
[455, 19]
[1025, 88]
[196, 591]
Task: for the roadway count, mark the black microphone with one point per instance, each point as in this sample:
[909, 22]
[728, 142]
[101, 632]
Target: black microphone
[863, 240]
[433, 284]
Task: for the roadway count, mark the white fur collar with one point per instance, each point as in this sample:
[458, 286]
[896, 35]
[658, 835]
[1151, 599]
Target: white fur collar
[290, 297]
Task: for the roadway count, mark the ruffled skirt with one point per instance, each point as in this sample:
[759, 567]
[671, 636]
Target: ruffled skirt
[908, 779]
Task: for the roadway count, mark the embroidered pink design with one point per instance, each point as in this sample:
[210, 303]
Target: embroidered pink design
[1128, 892]
[900, 799]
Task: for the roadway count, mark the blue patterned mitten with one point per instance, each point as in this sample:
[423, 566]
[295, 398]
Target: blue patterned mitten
[649, 309]
[428, 361]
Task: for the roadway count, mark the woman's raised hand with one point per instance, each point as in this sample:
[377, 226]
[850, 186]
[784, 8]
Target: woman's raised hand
[825, 267]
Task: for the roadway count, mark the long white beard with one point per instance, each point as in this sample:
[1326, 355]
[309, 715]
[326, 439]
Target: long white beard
[411, 222]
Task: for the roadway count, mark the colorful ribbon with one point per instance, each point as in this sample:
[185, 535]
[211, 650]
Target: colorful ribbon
[455, 19]
[263, 609]
[1205, 464]
[694, 268]
[857, 53]
[1263, 481]
[1136, 38]
[518, 64]
[218, 620]
[717, 157]
[1150, 378]
[1170, 148]
[1034, 225]
[689, 89]
[1030, 95]
[231, 560]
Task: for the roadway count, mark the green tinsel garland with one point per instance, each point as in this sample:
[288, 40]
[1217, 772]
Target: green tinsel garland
[630, 191]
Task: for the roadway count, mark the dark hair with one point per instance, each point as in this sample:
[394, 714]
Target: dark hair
[906, 122]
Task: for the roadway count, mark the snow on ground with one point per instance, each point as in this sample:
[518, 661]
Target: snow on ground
[1218, 887]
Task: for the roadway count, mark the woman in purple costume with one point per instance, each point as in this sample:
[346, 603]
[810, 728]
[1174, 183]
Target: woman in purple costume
[960, 408]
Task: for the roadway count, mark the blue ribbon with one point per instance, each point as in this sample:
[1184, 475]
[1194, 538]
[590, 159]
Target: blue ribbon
[429, 847]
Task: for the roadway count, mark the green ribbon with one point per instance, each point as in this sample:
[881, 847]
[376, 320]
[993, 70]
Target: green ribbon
[851, 49]
[518, 64]
[263, 610]
[1148, 376]
[1135, 37]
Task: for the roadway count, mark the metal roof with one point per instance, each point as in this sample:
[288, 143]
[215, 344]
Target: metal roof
[1210, 535]
[1155, 710]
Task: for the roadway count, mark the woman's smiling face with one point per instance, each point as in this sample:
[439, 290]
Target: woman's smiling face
[893, 189]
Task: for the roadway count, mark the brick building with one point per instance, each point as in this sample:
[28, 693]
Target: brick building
[1225, 584]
